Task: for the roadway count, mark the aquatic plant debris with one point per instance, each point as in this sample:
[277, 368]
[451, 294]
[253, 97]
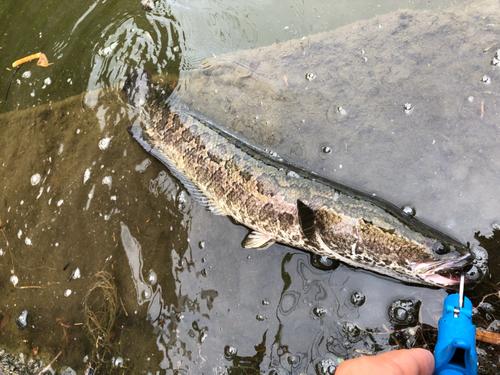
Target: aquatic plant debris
[42, 60]
[487, 336]
[100, 308]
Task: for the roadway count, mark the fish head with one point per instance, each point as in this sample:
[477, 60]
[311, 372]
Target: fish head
[414, 252]
[394, 245]
[450, 260]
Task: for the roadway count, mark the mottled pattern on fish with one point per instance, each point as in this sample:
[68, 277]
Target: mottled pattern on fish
[284, 203]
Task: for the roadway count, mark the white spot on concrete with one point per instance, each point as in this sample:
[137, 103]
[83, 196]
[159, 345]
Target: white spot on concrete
[104, 143]
[35, 179]
[107, 180]
[91, 195]
[40, 193]
[86, 175]
[76, 273]
[14, 280]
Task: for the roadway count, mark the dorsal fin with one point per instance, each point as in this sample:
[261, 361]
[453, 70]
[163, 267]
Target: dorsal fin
[306, 220]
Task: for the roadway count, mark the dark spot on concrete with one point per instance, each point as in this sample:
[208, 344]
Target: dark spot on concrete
[176, 123]
[245, 175]
[261, 188]
[214, 157]
[187, 135]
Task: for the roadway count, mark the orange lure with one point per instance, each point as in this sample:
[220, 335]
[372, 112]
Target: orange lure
[42, 60]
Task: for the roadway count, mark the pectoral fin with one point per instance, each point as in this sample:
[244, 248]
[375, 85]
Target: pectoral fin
[257, 240]
[306, 220]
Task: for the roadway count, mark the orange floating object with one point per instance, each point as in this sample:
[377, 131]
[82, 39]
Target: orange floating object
[42, 60]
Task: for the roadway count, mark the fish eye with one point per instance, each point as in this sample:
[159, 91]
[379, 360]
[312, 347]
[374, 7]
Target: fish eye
[440, 248]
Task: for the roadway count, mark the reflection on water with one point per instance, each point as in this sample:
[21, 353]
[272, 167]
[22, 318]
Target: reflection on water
[75, 188]
[341, 323]
[133, 251]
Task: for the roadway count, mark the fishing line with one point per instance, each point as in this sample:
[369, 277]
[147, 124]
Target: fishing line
[10, 83]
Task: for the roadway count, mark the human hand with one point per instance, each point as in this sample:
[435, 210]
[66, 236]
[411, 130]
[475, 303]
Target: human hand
[396, 362]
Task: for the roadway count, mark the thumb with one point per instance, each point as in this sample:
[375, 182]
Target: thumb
[397, 362]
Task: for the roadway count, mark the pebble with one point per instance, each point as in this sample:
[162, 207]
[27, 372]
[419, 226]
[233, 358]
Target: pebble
[12, 364]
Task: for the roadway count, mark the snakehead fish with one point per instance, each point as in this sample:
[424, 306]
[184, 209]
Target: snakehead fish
[281, 202]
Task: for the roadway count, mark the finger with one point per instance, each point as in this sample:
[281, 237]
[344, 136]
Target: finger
[398, 362]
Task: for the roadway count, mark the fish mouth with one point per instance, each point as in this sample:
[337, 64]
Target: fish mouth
[446, 272]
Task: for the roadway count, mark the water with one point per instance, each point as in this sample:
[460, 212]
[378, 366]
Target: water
[93, 44]
[77, 189]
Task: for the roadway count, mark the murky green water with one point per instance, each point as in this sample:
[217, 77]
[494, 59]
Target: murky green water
[93, 44]
[77, 189]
